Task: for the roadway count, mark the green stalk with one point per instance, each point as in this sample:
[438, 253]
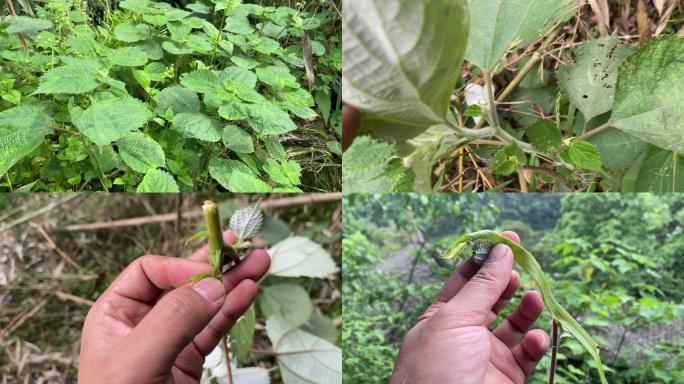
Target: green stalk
[530, 265]
[213, 223]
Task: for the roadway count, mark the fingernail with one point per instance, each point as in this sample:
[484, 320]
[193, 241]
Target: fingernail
[210, 288]
[498, 253]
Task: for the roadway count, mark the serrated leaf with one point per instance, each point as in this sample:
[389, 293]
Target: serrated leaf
[246, 222]
[197, 126]
[239, 74]
[157, 181]
[545, 136]
[238, 23]
[275, 148]
[497, 25]
[267, 118]
[585, 156]
[507, 159]
[284, 173]
[76, 77]
[110, 120]
[23, 24]
[649, 100]
[247, 182]
[236, 139]
[290, 301]
[589, 78]
[200, 81]
[127, 57]
[236, 176]
[365, 166]
[22, 130]
[299, 102]
[298, 256]
[141, 152]
[178, 99]
[277, 77]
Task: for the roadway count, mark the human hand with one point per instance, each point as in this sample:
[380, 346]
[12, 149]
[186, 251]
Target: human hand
[151, 326]
[351, 119]
[451, 342]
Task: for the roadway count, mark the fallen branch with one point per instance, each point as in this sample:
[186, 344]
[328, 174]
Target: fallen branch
[137, 221]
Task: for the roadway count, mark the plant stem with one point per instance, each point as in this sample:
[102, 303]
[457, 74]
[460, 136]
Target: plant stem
[595, 131]
[213, 223]
[491, 101]
[554, 351]
[226, 354]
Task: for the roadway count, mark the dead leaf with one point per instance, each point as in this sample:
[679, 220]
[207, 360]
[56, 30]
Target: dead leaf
[665, 19]
[602, 11]
[660, 6]
[643, 24]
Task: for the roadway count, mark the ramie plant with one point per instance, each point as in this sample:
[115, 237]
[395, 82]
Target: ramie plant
[607, 117]
[482, 242]
[150, 97]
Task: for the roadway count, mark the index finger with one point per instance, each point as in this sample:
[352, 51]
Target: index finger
[202, 254]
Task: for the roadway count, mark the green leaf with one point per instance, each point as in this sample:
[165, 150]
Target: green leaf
[275, 148]
[299, 102]
[242, 333]
[197, 126]
[507, 159]
[130, 33]
[127, 57]
[109, 120]
[22, 130]
[498, 25]
[268, 119]
[298, 256]
[589, 78]
[141, 152]
[236, 139]
[584, 155]
[23, 24]
[76, 77]
[618, 150]
[238, 23]
[157, 181]
[200, 81]
[649, 101]
[290, 301]
[238, 74]
[298, 351]
[545, 136]
[661, 172]
[178, 99]
[246, 222]
[402, 78]
[372, 166]
[247, 182]
[277, 77]
[236, 176]
[284, 173]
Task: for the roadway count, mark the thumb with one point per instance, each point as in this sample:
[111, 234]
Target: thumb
[473, 304]
[173, 323]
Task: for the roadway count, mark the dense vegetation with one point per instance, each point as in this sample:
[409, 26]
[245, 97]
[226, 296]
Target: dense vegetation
[51, 273]
[554, 96]
[614, 261]
[151, 96]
